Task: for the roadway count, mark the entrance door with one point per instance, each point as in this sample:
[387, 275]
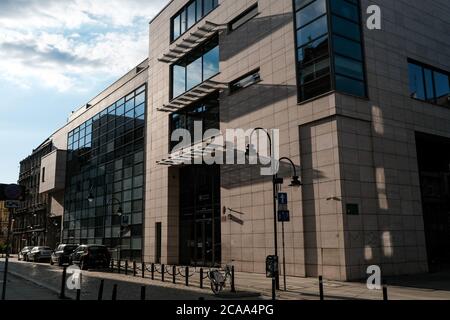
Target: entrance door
[200, 216]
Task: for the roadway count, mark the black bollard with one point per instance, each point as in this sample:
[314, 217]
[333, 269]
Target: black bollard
[126, 267]
[233, 289]
[78, 294]
[119, 265]
[274, 286]
[174, 279]
[62, 294]
[143, 269]
[143, 293]
[187, 276]
[134, 268]
[153, 271]
[385, 293]
[100, 290]
[114, 293]
[321, 288]
[201, 278]
[112, 265]
[163, 270]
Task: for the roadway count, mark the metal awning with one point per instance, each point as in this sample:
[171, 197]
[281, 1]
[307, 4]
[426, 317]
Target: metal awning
[189, 154]
[195, 94]
[202, 33]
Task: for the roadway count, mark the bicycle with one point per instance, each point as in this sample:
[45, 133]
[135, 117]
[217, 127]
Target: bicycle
[219, 279]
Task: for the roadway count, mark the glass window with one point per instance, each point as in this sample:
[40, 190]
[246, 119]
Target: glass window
[211, 63]
[346, 28]
[311, 12]
[347, 47]
[429, 89]
[441, 82]
[191, 16]
[194, 74]
[345, 9]
[245, 81]
[349, 67]
[312, 31]
[176, 25]
[243, 18]
[313, 50]
[416, 83]
[350, 86]
[178, 80]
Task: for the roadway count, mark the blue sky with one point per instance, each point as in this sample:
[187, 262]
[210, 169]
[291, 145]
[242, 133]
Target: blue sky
[54, 57]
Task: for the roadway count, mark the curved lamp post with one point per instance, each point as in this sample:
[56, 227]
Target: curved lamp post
[276, 181]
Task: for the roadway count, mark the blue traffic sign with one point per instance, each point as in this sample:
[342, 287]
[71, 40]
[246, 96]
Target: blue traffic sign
[282, 198]
[284, 216]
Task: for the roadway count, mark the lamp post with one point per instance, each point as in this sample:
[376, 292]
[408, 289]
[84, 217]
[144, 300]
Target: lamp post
[276, 182]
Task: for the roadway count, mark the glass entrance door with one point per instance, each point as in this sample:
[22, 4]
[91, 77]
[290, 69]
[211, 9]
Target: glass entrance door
[200, 216]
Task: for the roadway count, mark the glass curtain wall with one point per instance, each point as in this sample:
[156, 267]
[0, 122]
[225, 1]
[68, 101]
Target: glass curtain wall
[106, 162]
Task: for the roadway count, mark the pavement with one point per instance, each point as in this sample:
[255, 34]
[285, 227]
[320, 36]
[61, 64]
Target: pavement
[20, 289]
[249, 286]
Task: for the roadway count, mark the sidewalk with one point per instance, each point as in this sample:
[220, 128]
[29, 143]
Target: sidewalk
[421, 287]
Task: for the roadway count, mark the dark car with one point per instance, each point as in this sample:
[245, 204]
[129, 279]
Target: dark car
[62, 254]
[38, 254]
[23, 254]
[91, 256]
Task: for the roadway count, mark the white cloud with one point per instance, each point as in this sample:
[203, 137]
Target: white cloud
[66, 44]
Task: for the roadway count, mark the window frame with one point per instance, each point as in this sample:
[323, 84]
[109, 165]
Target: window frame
[236, 81]
[243, 15]
[424, 66]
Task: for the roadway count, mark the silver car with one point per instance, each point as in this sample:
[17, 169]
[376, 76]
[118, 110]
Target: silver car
[38, 254]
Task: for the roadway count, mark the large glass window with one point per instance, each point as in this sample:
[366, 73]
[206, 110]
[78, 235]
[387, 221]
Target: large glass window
[196, 67]
[193, 12]
[105, 162]
[205, 111]
[429, 84]
[316, 39]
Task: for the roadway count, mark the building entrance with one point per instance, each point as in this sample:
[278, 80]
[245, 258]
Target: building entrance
[434, 167]
[200, 237]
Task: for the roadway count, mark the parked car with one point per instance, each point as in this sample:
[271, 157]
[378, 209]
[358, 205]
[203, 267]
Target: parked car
[62, 254]
[91, 256]
[38, 254]
[23, 254]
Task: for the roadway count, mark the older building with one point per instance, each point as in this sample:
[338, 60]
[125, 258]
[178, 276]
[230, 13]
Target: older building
[33, 225]
[362, 114]
[4, 216]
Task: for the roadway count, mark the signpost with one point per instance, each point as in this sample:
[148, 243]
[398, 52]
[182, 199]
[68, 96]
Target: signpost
[283, 216]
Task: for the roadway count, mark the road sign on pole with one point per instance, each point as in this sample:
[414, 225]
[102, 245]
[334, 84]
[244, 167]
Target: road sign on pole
[282, 198]
[284, 216]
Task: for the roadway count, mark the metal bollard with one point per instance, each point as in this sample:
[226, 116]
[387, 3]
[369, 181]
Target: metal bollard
[62, 294]
[143, 269]
[187, 276]
[114, 293]
[153, 271]
[233, 289]
[385, 293]
[143, 293]
[163, 270]
[78, 294]
[126, 267]
[321, 288]
[100, 290]
[112, 265]
[174, 279]
[201, 278]
[134, 268]
[274, 285]
[119, 265]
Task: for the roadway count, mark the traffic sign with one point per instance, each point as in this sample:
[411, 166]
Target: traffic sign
[12, 204]
[284, 216]
[282, 198]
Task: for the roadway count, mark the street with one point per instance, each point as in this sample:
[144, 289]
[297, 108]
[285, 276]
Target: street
[21, 289]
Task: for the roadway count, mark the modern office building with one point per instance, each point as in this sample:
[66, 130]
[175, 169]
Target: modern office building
[363, 115]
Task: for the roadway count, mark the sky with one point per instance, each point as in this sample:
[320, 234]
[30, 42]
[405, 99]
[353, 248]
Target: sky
[57, 55]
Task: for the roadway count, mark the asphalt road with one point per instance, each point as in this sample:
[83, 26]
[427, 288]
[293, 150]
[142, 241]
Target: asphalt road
[21, 289]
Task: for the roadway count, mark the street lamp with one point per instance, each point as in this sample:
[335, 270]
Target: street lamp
[276, 181]
[119, 213]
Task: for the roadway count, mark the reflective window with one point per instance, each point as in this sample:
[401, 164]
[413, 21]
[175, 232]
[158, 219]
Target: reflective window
[196, 67]
[187, 17]
[245, 81]
[106, 156]
[429, 84]
[243, 18]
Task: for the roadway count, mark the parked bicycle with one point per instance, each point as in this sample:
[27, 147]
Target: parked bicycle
[219, 279]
